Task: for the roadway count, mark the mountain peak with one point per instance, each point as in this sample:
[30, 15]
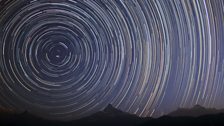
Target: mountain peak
[110, 106]
[111, 109]
[198, 107]
[195, 111]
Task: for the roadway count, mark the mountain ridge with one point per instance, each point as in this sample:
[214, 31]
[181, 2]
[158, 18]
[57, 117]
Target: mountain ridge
[111, 116]
[195, 111]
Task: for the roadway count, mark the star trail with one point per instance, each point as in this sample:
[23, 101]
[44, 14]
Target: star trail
[66, 59]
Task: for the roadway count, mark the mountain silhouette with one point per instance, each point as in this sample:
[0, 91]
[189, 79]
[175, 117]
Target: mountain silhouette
[111, 116]
[196, 111]
[195, 116]
[23, 119]
[111, 109]
[205, 120]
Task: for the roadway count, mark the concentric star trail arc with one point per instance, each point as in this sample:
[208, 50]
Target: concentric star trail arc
[67, 59]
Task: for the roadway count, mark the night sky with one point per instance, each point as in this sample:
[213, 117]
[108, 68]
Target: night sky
[66, 59]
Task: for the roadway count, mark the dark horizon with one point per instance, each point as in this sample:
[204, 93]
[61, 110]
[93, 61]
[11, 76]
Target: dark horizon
[111, 116]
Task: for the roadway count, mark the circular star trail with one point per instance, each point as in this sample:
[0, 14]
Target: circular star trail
[66, 59]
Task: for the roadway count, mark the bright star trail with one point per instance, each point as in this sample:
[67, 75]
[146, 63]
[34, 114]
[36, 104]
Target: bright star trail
[66, 59]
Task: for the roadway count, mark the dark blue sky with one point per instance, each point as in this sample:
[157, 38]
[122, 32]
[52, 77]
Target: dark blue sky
[68, 59]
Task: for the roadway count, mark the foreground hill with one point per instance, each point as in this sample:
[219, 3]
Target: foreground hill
[206, 120]
[111, 116]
